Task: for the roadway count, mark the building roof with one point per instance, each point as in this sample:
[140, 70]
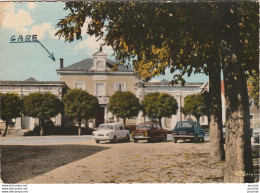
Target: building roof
[88, 63]
[165, 82]
[33, 82]
[31, 79]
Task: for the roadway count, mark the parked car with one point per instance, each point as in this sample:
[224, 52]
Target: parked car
[112, 132]
[255, 134]
[149, 132]
[188, 130]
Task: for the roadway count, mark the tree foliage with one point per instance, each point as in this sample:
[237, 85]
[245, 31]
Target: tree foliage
[124, 105]
[41, 105]
[80, 105]
[195, 105]
[179, 36]
[189, 37]
[11, 107]
[156, 105]
[253, 87]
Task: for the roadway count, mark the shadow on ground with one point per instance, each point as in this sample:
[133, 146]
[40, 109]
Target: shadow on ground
[24, 162]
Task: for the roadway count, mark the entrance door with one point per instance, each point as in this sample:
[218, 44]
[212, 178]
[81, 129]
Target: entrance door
[100, 116]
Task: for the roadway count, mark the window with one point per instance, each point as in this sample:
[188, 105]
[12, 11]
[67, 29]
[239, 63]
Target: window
[156, 126]
[100, 89]
[117, 127]
[80, 85]
[252, 117]
[120, 86]
[250, 103]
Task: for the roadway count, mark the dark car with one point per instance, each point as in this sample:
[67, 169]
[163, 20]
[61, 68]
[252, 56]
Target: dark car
[149, 132]
[188, 130]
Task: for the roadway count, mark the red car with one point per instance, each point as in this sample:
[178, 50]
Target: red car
[149, 132]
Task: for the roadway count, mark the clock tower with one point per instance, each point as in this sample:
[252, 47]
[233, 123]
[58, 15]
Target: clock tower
[100, 61]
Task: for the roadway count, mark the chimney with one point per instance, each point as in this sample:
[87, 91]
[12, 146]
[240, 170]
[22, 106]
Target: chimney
[61, 62]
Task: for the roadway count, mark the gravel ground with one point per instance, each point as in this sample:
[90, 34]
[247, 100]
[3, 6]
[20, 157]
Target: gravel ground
[158, 162]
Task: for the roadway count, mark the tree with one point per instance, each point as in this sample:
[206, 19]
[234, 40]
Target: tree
[156, 105]
[253, 87]
[181, 36]
[239, 156]
[195, 105]
[80, 105]
[186, 40]
[11, 107]
[124, 105]
[42, 106]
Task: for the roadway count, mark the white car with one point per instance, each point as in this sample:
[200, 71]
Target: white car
[112, 132]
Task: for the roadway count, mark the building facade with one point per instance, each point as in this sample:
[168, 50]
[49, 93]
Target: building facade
[23, 88]
[99, 77]
[179, 92]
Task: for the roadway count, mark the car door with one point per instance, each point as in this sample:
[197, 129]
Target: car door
[199, 130]
[155, 130]
[160, 131]
[122, 132]
[117, 131]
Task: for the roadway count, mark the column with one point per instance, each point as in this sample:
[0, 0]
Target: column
[139, 119]
[174, 120]
[178, 98]
[163, 122]
[18, 123]
[105, 114]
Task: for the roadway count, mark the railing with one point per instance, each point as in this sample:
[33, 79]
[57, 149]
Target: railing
[103, 99]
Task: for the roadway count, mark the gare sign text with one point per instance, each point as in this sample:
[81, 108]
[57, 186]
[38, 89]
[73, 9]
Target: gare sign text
[26, 38]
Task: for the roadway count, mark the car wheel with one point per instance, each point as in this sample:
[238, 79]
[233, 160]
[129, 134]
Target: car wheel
[97, 141]
[114, 139]
[135, 140]
[196, 140]
[175, 140]
[165, 138]
[202, 139]
[127, 138]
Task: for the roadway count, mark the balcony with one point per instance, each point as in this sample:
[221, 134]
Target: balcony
[103, 100]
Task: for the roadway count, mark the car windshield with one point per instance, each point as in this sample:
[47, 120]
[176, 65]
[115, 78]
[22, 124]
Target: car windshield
[105, 127]
[184, 124]
[144, 126]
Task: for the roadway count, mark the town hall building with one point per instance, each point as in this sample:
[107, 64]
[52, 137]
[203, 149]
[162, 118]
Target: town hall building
[100, 78]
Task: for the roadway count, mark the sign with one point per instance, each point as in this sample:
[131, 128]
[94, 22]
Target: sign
[171, 88]
[30, 39]
[99, 77]
[22, 39]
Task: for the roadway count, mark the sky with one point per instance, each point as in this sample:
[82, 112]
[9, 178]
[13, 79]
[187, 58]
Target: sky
[21, 61]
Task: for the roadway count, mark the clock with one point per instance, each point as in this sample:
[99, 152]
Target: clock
[99, 64]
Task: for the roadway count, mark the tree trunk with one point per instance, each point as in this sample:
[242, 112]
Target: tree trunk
[217, 152]
[239, 164]
[79, 128]
[124, 122]
[6, 127]
[198, 119]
